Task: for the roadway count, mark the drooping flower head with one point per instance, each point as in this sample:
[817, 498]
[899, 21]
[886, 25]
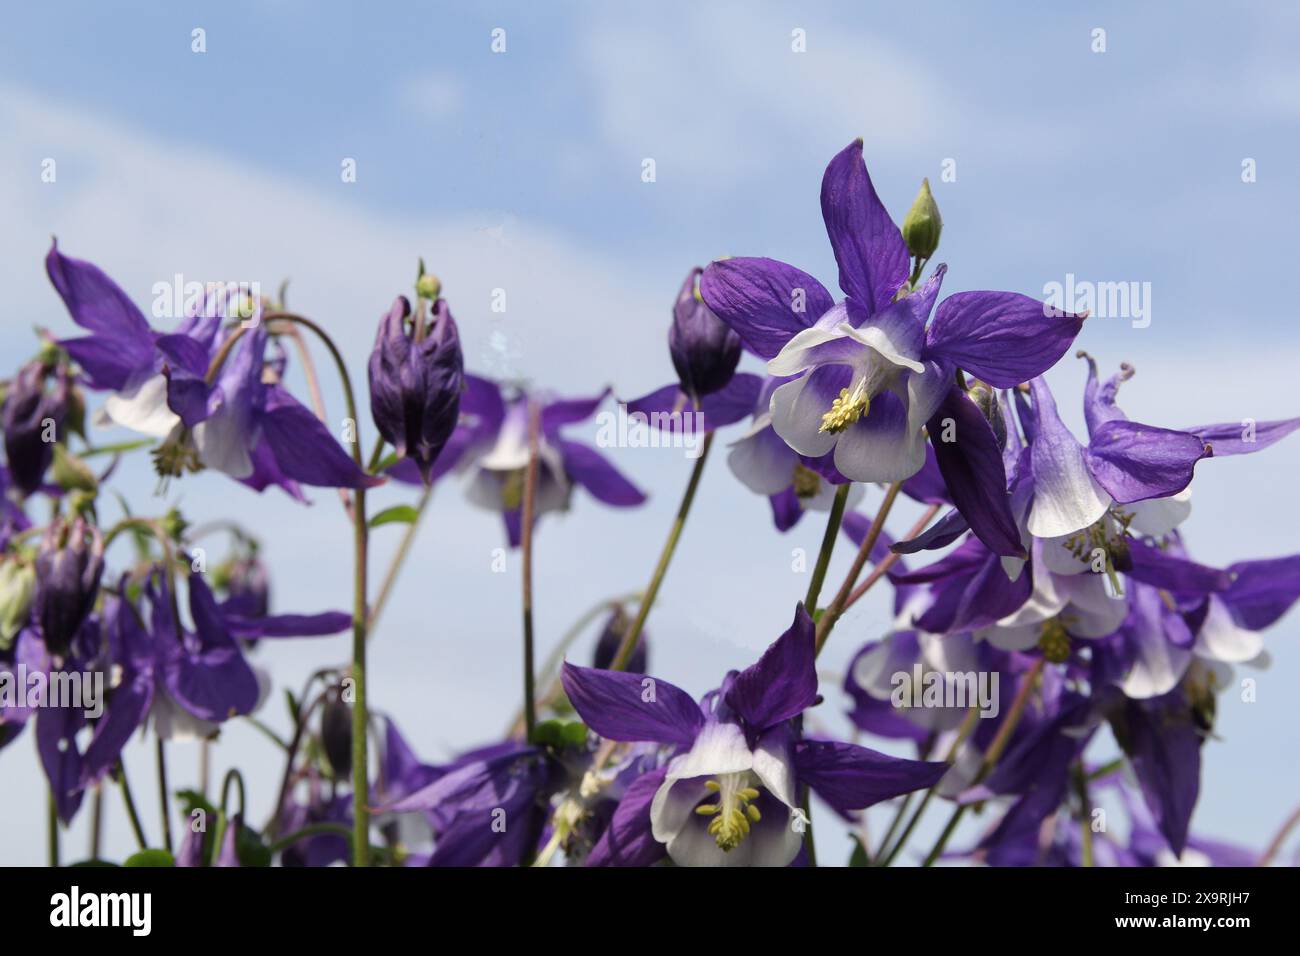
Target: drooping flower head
[69, 565]
[704, 349]
[33, 420]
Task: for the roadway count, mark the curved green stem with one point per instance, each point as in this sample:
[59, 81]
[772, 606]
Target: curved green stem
[529, 518]
[52, 828]
[633, 635]
[132, 814]
[841, 599]
[828, 545]
[164, 799]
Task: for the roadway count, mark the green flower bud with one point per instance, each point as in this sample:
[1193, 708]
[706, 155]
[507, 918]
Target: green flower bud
[923, 224]
[428, 287]
[17, 583]
[71, 473]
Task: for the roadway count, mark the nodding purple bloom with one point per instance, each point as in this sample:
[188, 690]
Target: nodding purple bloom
[495, 458]
[189, 679]
[33, 421]
[416, 380]
[730, 796]
[704, 349]
[246, 424]
[488, 807]
[69, 565]
[869, 373]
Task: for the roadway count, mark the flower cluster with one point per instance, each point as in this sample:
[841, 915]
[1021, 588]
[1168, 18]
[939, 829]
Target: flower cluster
[1062, 600]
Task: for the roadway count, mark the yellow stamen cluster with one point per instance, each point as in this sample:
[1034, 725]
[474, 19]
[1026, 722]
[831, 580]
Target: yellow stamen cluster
[1054, 642]
[732, 814]
[806, 482]
[845, 410]
[512, 489]
[1109, 534]
[176, 456]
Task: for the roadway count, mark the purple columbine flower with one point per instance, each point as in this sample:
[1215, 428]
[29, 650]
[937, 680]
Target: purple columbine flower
[33, 420]
[497, 465]
[704, 349]
[189, 680]
[416, 380]
[869, 373]
[246, 424]
[69, 565]
[730, 796]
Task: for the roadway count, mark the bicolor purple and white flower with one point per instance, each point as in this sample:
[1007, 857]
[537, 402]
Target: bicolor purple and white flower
[730, 795]
[869, 373]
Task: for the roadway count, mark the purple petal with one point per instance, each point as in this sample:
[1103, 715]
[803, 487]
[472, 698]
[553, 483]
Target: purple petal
[1135, 462]
[1003, 338]
[849, 777]
[760, 299]
[1161, 569]
[587, 467]
[97, 303]
[127, 711]
[927, 485]
[1099, 400]
[569, 411]
[783, 682]
[1067, 498]
[1242, 438]
[939, 535]
[869, 248]
[621, 706]
[973, 470]
[628, 840]
[1164, 747]
[289, 625]
[304, 449]
[1262, 591]
[786, 509]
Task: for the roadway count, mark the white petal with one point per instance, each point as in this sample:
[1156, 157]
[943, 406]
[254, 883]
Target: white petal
[1159, 516]
[1157, 670]
[143, 408]
[797, 418]
[772, 764]
[223, 443]
[763, 462]
[889, 347]
[719, 748]
[1066, 496]
[1220, 638]
[806, 349]
[673, 806]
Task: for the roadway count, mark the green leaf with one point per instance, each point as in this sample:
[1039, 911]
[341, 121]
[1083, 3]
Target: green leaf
[388, 461]
[404, 514]
[150, 858]
[117, 448]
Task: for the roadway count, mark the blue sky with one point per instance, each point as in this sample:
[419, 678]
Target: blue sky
[522, 170]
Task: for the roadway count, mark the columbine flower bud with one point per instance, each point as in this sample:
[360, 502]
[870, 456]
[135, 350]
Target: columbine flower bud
[17, 583]
[612, 637]
[336, 736]
[923, 224]
[68, 568]
[416, 378]
[33, 419]
[705, 350]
